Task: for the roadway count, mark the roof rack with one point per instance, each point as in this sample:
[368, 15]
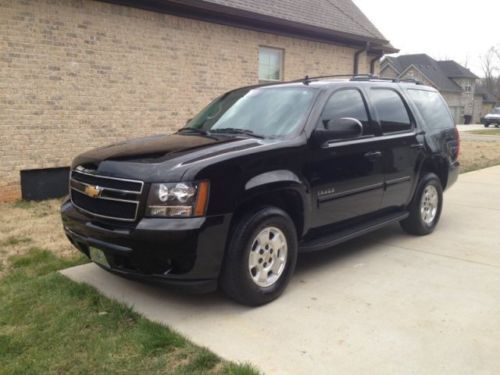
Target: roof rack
[358, 77]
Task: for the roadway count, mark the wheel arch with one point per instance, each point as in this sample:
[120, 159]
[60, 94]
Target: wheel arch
[289, 196]
[438, 166]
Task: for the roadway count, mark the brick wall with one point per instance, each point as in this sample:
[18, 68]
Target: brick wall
[77, 74]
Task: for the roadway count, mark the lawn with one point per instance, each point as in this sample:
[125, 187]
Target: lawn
[478, 154]
[485, 132]
[49, 324]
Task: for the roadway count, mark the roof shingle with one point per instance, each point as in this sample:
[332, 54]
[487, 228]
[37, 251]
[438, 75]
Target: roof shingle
[338, 15]
[439, 72]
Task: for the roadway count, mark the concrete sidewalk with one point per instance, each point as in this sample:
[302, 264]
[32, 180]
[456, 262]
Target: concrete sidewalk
[386, 303]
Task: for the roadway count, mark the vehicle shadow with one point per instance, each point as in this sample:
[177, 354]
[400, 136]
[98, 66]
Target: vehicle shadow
[167, 298]
[308, 262]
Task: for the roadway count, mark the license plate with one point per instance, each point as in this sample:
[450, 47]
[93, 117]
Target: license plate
[98, 257]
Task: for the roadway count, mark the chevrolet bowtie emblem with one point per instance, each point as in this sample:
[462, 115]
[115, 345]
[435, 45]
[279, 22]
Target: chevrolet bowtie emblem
[93, 191]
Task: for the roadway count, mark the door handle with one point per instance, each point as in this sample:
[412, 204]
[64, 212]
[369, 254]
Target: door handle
[417, 146]
[373, 155]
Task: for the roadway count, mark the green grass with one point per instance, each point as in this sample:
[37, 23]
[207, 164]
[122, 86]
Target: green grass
[49, 324]
[24, 204]
[12, 241]
[485, 132]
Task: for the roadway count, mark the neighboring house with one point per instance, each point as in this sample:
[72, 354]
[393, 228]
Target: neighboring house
[78, 74]
[456, 83]
[488, 100]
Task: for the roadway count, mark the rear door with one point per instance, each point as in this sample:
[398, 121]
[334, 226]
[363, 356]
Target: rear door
[402, 144]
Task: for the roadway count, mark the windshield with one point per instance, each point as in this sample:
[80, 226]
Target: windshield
[496, 111]
[264, 111]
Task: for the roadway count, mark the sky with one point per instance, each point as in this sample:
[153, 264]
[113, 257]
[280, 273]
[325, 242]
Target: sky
[444, 29]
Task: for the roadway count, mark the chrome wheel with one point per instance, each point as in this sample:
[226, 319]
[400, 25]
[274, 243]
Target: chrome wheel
[268, 255]
[429, 204]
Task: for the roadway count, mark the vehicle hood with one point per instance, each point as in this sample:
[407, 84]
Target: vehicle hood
[140, 158]
[492, 115]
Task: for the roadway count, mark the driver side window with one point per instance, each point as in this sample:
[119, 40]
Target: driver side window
[347, 103]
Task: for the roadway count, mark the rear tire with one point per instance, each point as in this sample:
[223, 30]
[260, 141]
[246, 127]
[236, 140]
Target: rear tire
[425, 209]
[486, 125]
[260, 258]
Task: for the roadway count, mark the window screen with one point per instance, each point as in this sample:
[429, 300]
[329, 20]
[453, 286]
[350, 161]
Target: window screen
[270, 64]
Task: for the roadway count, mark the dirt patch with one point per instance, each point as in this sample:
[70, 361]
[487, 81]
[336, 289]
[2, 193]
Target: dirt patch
[28, 225]
[478, 154]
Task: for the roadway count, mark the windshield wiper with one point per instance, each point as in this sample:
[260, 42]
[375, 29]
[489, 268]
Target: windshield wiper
[193, 130]
[237, 131]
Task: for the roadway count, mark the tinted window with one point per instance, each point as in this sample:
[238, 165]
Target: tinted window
[433, 108]
[347, 103]
[391, 110]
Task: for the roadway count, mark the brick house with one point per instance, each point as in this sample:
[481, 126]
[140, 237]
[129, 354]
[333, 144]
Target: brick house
[456, 83]
[78, 74]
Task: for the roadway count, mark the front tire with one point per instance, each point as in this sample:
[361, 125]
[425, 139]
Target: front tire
[486, 125]
[260, 258]
[425, 209]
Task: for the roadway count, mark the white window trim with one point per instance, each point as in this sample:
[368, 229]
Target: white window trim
[282, 63]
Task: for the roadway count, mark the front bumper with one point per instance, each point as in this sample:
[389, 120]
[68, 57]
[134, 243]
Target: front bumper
[186, 253]
[492, 120]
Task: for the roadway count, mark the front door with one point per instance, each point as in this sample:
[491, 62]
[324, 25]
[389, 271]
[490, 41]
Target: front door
[346, 176]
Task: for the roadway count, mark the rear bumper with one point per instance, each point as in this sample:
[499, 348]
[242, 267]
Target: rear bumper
[184, 253]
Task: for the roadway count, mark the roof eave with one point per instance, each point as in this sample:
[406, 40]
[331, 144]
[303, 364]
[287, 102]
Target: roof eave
[244, 19]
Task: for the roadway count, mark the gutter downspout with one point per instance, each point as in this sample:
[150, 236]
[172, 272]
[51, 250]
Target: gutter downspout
[356, 57]
[373, 61]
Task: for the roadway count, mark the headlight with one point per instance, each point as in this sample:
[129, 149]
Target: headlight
[182, 199]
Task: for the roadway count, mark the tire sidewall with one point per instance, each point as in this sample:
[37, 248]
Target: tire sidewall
[240, 247]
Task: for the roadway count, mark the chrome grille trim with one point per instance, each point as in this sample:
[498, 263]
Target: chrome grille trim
[111, 178]
[104, 216]
[104, 189]
[79, 186]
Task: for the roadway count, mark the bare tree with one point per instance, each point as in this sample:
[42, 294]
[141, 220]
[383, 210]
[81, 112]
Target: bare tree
[489, 63]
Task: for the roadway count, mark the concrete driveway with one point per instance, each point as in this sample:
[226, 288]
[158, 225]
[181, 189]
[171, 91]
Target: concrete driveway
[386, 303]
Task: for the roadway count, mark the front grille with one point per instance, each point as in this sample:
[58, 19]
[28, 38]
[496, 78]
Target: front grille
[106, 197]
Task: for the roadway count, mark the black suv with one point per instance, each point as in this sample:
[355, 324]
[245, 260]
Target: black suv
[260, 175]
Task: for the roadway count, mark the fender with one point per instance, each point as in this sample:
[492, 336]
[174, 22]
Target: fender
[266, 178]
[281, 180]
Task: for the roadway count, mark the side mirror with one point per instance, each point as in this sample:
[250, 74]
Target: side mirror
[339, 129]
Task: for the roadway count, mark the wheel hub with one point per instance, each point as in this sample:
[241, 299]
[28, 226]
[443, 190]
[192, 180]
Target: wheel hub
[429, 204]
[268, 255]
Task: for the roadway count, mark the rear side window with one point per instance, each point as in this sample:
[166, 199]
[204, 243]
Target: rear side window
[432, 107]
[347, 103]
[391, 111]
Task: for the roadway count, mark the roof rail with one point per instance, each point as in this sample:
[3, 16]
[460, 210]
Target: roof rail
[357, 77]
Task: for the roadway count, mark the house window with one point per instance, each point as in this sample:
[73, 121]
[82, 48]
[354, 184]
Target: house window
[270, 64]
